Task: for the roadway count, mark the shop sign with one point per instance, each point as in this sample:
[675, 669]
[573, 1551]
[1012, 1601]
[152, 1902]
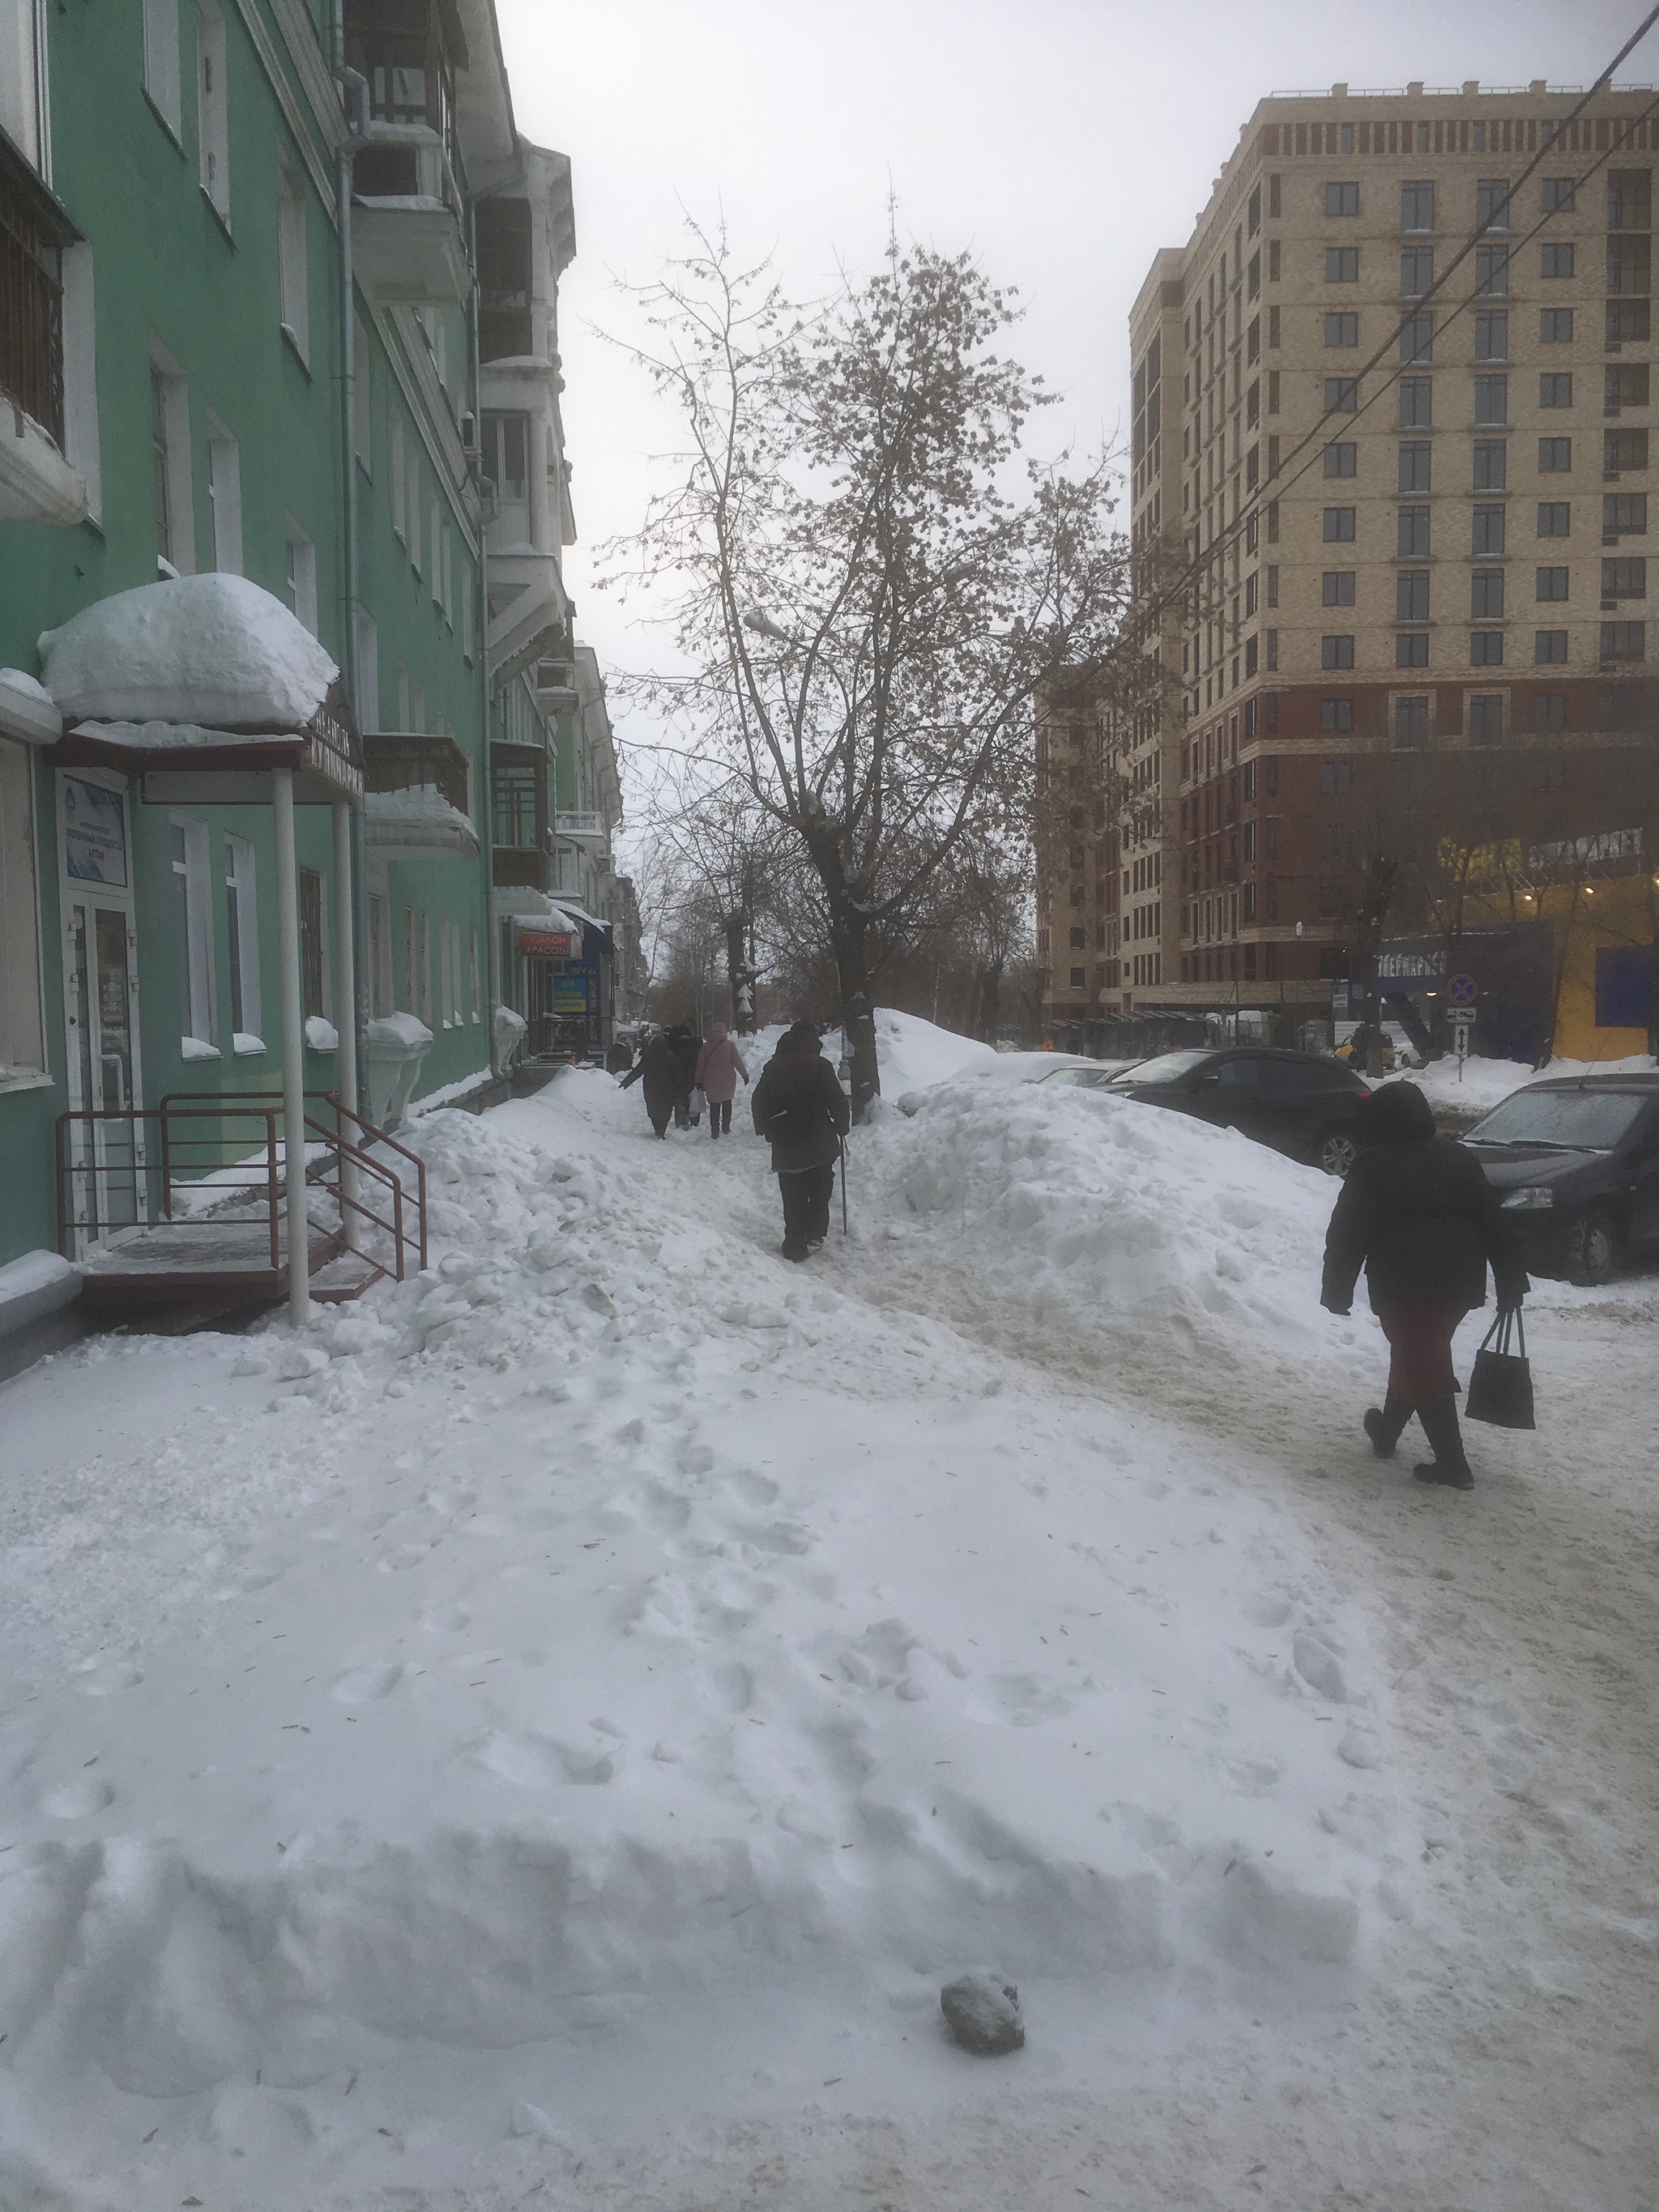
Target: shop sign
[553, 943]
[94, 823]
[570, 994]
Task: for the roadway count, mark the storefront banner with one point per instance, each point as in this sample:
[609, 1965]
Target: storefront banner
[552, 943]
[95, 833]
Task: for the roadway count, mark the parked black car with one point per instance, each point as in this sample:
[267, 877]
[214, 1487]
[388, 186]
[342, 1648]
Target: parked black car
[1577, 1159]
[1299, 1102]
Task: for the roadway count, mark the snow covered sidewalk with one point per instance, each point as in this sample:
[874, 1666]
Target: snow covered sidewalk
[545, 1736]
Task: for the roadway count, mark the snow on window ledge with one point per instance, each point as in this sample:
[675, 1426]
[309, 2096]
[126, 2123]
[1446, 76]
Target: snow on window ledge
[321, 1036]
[197, 1049]
[24, 1078]
[245, 1042]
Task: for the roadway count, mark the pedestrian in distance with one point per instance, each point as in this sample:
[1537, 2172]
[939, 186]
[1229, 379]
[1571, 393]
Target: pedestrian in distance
[718, 1065]
[1418, 1214]
[803, 1112]
[685, 1046]
[658, 1070]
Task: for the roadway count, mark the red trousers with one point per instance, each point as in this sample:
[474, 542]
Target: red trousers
[1419, 1341]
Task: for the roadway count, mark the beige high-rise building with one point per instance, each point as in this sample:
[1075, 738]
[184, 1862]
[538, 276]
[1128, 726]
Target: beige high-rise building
[1410, 519]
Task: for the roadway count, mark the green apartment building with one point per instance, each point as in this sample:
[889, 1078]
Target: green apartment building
[241, 321]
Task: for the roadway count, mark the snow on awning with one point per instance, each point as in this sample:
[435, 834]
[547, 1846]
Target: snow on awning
[27, 710]
[554, 934]
[214, 652]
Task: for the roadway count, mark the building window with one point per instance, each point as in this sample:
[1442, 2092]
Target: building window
[1486, 595]
[1492, 203]
[1411, 649]
[1336, 714]
[423, 964]
[1624, 578]
[1555, 389]
[1342, 330]
[301, 579]
[312, 966]
[1410, 593]
[1555, 325]
[1416, 402]
[161, 80]
[1336, 779]
[1341, 394]
[477, 1000]
[1338, 588]
[1415, 466]
[1624, 641]
[1491, 464]
[1486, 718]
[1559, 195]
[1336, 653]
[1491, 272]
[294, 290]
[1622, 450]
[1486, 648]
[1340, 526]
[1491, 399]
[1271, 638]
[1342, 265]
[1491, 334]
[1077, 977]
[1487, 534]
[1556, 260]
[1411, 721]
[1417, 205]
[1340, 199]
[1416, 271]
[22, 1029]
[1549, 710]
[1416, 337]
[1554, 518]
[1624, 514]
[242, 945]
[1554, 455]
[1341, 460]
[363, 398]
[193, 919]
[212, 108]
[225, 497]
[1077, 937]
[1413, 541]
[381, 998]
[1553, 583]
[169, 440]
[413, 490]
[1550, 645]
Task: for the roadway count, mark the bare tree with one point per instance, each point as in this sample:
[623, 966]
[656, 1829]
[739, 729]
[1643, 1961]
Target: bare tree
[866, 591]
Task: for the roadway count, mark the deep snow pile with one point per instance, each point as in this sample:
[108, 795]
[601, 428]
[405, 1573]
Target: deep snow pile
[614, 1624]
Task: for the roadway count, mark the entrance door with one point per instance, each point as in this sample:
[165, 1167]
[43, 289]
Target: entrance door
[100, 1006]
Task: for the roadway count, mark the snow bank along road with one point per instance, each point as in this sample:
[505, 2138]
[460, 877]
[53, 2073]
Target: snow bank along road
[543, 1736]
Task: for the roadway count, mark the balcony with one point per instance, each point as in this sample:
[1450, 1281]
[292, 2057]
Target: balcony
[416, 799]
[520, 868]
[37, 484]
[407, 225]
[554, 684]
[587, 830]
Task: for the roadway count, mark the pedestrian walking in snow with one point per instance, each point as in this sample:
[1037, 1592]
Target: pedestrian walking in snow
[658, 1069]
[718, 1065]
[799, 1105]
[685, 1048]
[1418, 1215]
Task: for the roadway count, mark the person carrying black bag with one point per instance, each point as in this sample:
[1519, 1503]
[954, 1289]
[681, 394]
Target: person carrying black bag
[1418, 1215]
[800, 1107]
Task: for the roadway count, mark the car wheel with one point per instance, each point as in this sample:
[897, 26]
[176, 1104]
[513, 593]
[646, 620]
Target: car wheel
[1336, 1152]
[1592, 1247]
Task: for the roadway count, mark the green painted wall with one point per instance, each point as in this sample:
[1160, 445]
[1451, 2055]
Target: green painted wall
[169, 272]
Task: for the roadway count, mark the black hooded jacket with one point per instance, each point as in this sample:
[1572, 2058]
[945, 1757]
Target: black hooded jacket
[799, 1104]
[1418, 1215]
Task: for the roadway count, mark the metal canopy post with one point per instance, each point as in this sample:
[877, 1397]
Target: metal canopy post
[294, 1109]
[345, 997]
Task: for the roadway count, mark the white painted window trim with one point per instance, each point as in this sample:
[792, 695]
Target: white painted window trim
[212, 108]
[199, 1016]
[293, 257]
[161, 68]
[181, 500]
[242, 941]
[368, 669]
[22, 974]
[81, 448]
[363, 397]
[400, 517]
[301, 578]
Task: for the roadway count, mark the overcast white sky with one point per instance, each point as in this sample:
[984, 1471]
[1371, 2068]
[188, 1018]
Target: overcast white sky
[1063, 140]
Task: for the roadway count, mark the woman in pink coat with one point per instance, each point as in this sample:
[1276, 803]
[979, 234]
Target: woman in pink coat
[718, 1065]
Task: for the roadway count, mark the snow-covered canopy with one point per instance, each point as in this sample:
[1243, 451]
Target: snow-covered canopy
[210, 650]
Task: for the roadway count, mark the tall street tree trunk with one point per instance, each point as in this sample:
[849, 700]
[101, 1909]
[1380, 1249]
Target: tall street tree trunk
[1380, 878]
[740, 972]
[849, 943]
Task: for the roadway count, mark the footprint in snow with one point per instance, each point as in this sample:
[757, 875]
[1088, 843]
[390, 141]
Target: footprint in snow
[361, 1685]
[77, 1800]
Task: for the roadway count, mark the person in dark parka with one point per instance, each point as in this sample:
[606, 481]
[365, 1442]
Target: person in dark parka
[800, 1107]
[1418, 1215]
[686, 1045]
[658, 1068]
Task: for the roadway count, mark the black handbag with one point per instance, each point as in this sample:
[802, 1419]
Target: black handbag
[1500, 1389]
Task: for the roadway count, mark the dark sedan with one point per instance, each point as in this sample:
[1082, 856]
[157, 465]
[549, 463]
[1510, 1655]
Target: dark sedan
[1299, 1102]
[1576, 1161]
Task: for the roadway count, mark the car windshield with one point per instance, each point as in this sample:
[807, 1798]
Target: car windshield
[1578, 1120]
[1168, 1067]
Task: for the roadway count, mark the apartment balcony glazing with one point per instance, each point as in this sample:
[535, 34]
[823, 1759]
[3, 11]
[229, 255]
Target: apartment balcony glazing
[37, 484]
[416, 805]
[520, 826]
[409, 237]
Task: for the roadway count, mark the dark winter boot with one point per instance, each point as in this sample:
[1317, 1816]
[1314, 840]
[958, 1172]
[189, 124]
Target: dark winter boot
[1383, 1424]
[1449, 1468]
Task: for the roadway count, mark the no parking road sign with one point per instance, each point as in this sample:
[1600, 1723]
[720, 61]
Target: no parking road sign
[1460, 993]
